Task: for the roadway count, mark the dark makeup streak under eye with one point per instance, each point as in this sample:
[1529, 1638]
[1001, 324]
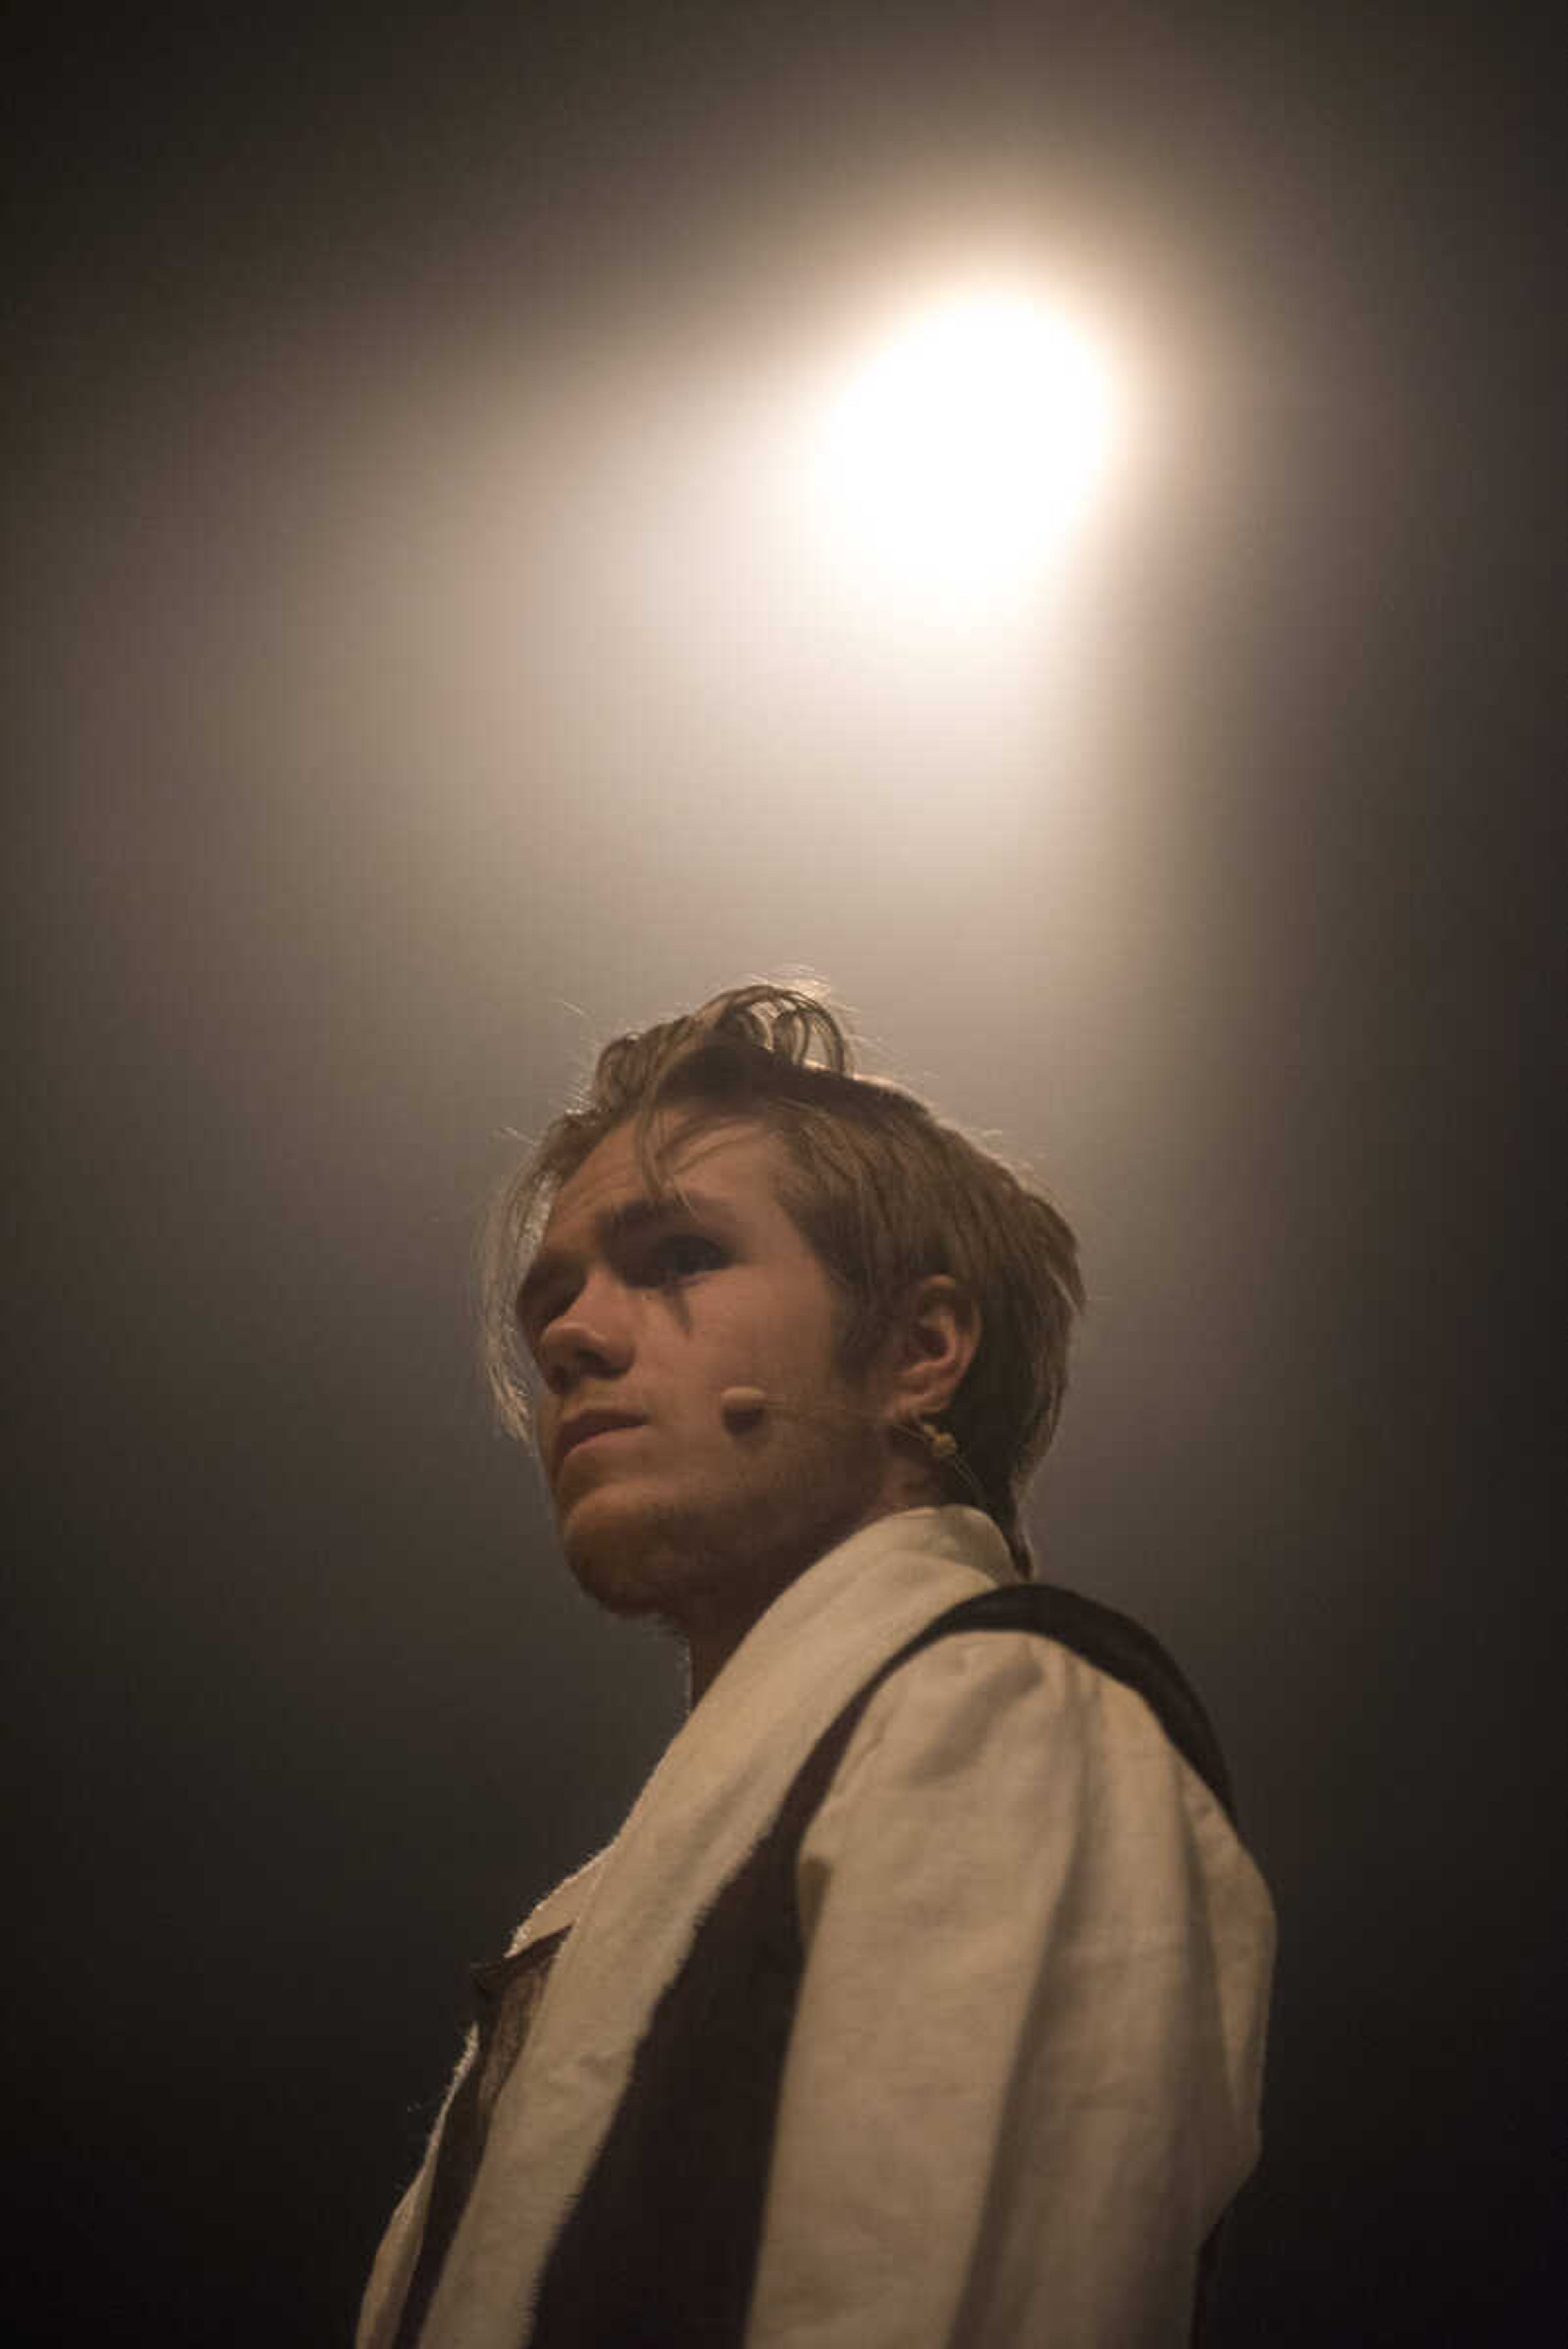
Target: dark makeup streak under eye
[647, 1262]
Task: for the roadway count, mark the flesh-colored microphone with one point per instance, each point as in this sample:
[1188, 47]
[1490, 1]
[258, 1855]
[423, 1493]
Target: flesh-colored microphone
[743, 1403]
[750, 1402]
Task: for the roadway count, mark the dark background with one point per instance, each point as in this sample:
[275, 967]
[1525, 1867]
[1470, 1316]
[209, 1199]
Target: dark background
[383, 739]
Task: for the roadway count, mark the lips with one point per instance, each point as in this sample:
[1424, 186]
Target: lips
[578, 1430]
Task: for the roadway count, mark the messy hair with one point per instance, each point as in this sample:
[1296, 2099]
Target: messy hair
[882, 1191]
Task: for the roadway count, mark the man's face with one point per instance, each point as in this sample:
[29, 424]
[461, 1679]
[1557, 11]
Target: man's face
[650, 1310]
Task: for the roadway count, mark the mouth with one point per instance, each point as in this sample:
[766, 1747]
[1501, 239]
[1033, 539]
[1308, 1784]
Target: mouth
[586, 1426]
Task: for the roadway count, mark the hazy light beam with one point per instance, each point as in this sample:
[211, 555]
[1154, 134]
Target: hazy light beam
[961, 456]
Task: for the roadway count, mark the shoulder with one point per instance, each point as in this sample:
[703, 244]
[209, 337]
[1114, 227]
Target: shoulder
[992, 1760]
[1112, 1646]
[1035, 1664]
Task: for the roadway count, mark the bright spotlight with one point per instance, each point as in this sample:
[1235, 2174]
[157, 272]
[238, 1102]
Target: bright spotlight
[964, 450]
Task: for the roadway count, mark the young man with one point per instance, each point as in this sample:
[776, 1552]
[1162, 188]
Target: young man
[922, 1998]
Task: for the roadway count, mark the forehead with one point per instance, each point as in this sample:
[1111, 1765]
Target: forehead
[732, 1165]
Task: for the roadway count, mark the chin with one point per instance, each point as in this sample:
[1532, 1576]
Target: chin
[633, 1558]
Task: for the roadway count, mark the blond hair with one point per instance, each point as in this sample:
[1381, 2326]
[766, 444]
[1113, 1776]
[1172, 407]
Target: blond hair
[876, 1184]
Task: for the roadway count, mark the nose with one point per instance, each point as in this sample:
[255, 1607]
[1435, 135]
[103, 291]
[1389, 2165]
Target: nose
[591, 1337]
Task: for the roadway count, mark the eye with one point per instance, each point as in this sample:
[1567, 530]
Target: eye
[680, 1255]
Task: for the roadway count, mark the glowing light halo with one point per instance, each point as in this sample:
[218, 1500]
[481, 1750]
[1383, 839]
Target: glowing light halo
[959, 457]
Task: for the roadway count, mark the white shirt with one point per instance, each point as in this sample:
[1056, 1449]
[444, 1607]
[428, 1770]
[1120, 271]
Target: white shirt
[1024, 2073]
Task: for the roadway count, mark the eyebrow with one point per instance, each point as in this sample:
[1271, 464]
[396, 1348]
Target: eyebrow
[616, 1223]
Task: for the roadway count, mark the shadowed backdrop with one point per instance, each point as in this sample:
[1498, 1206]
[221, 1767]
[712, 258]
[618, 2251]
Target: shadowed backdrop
[420, 670]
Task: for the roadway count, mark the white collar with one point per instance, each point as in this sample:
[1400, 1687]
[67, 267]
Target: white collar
[637, 1906]
[890, 1575]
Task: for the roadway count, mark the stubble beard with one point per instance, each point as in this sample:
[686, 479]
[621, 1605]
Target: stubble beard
[724, 1560]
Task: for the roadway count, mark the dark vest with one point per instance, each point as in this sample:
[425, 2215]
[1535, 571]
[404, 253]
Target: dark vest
[660, 2250]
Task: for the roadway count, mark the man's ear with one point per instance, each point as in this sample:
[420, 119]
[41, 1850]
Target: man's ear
[936, 1340]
